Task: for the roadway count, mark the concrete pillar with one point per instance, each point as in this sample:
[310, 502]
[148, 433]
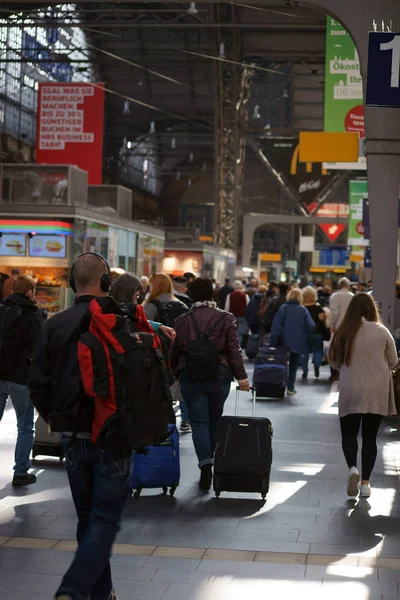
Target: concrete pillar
[383, 186]
[383, 145]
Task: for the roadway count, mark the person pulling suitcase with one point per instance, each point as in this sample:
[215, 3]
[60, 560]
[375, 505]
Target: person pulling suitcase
[206, 357]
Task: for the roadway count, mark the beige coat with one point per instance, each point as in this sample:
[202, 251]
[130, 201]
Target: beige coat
[338, 305]
[366, 386]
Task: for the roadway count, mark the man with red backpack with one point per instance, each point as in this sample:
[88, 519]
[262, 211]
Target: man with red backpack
[84, 384]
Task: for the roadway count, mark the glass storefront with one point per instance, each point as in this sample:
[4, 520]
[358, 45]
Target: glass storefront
[118, 246]
[150, 254]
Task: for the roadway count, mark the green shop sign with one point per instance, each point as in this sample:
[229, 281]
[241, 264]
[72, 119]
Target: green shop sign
[358, 190]
[344, 108]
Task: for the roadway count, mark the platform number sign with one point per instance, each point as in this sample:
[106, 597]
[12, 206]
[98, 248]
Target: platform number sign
[383, 87]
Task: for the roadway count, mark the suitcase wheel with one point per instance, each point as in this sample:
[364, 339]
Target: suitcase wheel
[165, 490]
[137, 493]
[264, 489]
[173, 489]
[217, 488]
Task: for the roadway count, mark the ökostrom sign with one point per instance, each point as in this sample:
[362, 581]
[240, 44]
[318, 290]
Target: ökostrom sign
[344, 110]
[383, 87]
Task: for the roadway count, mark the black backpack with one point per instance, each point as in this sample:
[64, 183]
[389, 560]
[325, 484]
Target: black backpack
[168, 312]
[123, 370]
[202, 361]
[8, 341]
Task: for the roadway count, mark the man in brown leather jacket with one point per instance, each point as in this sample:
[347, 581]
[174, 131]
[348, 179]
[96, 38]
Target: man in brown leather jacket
[205, 397]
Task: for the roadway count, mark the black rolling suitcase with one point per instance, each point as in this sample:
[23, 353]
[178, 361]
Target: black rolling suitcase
[243, 454]
[46, 443]
[253, 345]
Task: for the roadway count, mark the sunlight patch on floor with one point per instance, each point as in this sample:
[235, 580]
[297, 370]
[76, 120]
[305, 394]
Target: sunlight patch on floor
[304, 468]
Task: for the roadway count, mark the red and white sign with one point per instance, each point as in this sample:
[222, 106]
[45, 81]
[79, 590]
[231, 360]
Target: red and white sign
[333, 231]
[330, 210]
[355, 120]
[70, 126]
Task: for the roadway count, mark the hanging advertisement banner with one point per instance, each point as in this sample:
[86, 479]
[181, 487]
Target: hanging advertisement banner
[358, 190]
[70, 126]
[344, 107]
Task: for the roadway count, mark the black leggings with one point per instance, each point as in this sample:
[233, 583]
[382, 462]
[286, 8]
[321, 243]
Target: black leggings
[350, 426]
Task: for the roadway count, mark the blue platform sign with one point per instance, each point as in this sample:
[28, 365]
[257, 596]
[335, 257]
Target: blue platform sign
[383, 86]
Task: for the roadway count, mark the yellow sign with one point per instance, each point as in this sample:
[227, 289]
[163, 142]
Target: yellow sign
[309, 165]
[320, 146]
[356, 258]
[317, 270]
[270, 257]
[340, 270]
[206, 238]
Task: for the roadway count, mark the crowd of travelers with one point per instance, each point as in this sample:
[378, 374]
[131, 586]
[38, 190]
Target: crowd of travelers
[184, 337]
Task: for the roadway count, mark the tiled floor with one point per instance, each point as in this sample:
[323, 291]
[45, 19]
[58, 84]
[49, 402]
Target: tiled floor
[307, 540]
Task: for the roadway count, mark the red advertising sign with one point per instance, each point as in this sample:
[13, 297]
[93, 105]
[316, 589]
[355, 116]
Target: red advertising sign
[332, 231]
[70, 126]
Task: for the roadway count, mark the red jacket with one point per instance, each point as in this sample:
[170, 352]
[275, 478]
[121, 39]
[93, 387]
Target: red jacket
[238, 303]
[225, 336]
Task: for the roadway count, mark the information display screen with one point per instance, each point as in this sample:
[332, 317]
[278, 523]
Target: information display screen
[13, 244]
[48, 246]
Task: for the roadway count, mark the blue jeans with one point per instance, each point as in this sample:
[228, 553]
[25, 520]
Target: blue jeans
[3, 404]
[243, 328]
[293, 365]
[205, 403]
[184, 411]
[315, 346]
[25, 423]
[99, 484]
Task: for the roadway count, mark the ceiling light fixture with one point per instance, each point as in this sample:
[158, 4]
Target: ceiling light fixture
[152, 127]
[129, 145]
[173, 143]
[126, 108]
[222, 50]
[256, 112]
[191, 157]
[192, 10]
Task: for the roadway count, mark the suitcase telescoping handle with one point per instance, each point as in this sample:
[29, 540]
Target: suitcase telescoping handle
[253, 391]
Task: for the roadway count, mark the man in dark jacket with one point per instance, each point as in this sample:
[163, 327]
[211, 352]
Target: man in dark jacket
[224, 292]
[205, 398]
[99, 480]
[20, 323]
[181, 290]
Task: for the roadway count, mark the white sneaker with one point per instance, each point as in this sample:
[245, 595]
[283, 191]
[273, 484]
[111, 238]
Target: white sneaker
[365, 490]
[353, 483]
[291, 392]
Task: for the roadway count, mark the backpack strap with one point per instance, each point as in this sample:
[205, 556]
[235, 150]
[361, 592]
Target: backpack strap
[158, 305]
[195, 325]
[209, 333]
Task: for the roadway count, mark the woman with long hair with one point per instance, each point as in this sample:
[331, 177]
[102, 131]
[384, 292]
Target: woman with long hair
[162, 305]
[315, 340]
[365, 353]
[162, 294]
[290, 328]
[126, 290]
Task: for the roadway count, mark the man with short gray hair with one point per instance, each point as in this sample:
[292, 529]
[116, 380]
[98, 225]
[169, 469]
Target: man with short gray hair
[339, 304]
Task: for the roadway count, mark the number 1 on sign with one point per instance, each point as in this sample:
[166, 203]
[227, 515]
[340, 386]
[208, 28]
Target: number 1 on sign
[394, 45]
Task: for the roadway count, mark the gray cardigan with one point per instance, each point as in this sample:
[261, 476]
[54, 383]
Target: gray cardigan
[366, 386]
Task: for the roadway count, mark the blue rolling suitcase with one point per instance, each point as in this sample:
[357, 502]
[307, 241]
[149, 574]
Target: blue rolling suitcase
[158, 466]
[270, 373]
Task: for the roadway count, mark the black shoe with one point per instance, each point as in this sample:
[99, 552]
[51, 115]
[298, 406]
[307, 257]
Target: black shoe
[25, 479]
[316, 371]
[305, 375]
[205, 478]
